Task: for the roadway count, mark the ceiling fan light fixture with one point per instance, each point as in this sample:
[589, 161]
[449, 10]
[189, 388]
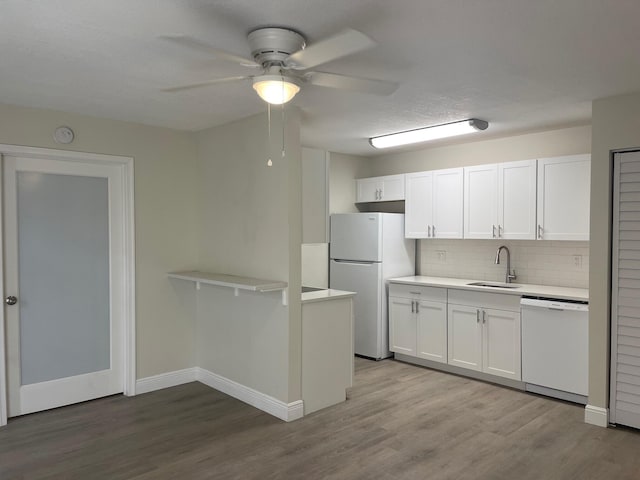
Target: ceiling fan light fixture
[426, 134]
[275, 89]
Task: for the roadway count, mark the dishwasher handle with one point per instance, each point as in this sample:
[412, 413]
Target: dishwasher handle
[553, 304]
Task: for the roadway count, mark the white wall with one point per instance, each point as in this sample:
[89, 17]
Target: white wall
[165, 217]
[250, 225]
[343, 170]
[315, 265]
[315, 200]
[616, 126]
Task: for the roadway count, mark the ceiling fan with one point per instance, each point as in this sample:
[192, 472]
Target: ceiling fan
[283, 63]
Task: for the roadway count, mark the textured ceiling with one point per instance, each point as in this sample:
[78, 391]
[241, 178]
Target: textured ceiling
[520, 64]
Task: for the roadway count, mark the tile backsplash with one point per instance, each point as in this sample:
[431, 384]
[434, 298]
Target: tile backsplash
[558, 263]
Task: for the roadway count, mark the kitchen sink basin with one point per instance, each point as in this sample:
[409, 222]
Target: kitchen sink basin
[493, 285]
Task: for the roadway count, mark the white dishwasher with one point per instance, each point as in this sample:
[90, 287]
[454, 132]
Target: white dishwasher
[555, 347]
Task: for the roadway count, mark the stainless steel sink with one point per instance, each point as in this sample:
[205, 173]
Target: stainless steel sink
[493, 285]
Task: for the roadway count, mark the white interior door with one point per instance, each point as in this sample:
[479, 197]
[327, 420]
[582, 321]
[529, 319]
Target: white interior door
[64, 266]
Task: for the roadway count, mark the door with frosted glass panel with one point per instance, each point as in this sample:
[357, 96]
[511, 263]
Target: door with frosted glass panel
[63, 246]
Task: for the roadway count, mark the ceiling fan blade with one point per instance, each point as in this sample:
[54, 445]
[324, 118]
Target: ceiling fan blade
[193, 43]
[340, 45]
[205, 84]
[365, 85]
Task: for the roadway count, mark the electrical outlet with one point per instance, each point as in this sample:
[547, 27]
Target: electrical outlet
[442, 256]
[577, 261]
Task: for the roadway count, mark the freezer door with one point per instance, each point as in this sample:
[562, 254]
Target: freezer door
[365, 280]
[356, 236]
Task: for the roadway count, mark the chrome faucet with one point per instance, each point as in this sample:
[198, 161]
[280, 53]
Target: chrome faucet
[509, 276]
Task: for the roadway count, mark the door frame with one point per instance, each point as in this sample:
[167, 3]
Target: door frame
[128, 283]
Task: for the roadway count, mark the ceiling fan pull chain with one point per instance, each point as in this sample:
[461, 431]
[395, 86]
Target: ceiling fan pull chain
[269, 162]
[283, 124]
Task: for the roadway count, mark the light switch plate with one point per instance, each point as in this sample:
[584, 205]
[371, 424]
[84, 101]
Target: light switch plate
[577, 261]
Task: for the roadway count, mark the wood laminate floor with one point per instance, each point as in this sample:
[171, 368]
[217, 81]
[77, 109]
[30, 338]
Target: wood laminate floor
[400, 422]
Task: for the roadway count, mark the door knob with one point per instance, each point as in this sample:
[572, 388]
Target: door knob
[11, 300]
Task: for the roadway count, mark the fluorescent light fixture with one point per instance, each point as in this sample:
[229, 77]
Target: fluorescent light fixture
[275, 89]
[429, 133]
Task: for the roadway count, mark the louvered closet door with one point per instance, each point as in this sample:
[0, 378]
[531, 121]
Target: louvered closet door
[625, 294]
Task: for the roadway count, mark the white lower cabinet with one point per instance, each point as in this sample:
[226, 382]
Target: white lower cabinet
[467, 329]
[431, 338]
[418, 321]
[484, 333]
[501, 352]
[402, 326]
[464, 337]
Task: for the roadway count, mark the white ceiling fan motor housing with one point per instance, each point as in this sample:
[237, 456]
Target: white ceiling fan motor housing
[273, 45]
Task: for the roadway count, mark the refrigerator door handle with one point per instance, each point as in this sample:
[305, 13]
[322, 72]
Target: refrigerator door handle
[353, 262]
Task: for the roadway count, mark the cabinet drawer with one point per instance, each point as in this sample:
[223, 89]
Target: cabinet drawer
[418, 292]
[497, 301]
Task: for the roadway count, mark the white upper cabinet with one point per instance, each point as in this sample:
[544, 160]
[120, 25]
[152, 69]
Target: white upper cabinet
[433, 204]
[418, 213]
[368, 189]
[380, 189]
[517, 200]
[500, 200]
[481, 201]
[563, 198]
[447, 203]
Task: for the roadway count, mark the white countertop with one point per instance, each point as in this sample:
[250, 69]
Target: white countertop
[568, 293]
[323, 295]
[230, 281]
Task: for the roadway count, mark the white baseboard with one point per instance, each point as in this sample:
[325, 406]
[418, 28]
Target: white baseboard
[284, 411]
[166, 380]
[596, 416]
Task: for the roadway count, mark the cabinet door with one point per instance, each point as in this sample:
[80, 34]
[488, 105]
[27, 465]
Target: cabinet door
[418, 205]
[501, 343]
[402, 326]
[464, 337]
[447, 203]
[563, 197]
[431, 342]
[392, 188]
[481, 201]
[517, 200]
[368, 189]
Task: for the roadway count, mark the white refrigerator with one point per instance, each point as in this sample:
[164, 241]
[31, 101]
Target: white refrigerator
[366, 250]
